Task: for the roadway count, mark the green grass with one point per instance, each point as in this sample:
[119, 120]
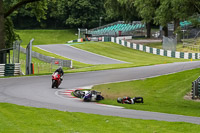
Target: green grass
[39, 66]
[161, 94]
[20, 119]
[134, 57]
[46, 36]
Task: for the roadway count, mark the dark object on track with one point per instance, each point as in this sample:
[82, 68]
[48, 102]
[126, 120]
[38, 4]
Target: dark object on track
[79, 93]
[88, 96]
[128, 100]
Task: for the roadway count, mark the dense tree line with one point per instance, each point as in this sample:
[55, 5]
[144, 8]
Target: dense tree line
[30, 14]
[159, 12]
[63, 14]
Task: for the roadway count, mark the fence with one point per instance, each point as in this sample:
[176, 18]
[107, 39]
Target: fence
[196, 89]
[66, 63]
[169, 43]
[10, 69]
[156, 51]
[41, 68]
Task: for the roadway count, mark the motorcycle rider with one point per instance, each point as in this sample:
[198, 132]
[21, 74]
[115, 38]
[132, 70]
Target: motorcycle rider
[60, 71]
[128, 100]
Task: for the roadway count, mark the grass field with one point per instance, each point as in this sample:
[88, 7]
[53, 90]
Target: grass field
[158, 95]
[20, 119]
[161, 94]
[133, 57]
[46, 36]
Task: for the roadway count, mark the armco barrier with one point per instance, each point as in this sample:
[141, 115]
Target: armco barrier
[66, 63]
[156, 51]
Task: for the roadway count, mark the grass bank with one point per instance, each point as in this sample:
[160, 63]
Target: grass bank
[133, 58]
[27, 119]
[161, 94]
[46, 36]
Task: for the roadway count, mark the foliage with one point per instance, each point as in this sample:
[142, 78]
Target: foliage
[195, 20]
[121, 9]
[36, 7]
[84, 13]
[10, 34]
[146, 9]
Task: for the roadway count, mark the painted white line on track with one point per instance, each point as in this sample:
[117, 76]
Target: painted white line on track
[97, 54]
[53, 53]
[110, 106]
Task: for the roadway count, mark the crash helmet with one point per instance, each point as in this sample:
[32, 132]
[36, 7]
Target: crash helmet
[119, 100]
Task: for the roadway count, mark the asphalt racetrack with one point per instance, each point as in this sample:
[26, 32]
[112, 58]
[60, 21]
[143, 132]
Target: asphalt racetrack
[78, 54]
[37, 91]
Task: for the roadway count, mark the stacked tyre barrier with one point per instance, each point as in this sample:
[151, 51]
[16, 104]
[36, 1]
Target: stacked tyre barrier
[162, 52]
[196, 89]
[2, 69]
[10, 69]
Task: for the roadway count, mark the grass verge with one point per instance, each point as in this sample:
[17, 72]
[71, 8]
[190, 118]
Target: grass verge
[161, 94]
[46, 36]
[27, 119]
[133, 57]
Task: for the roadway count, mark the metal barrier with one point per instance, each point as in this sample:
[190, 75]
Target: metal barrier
[162, 52]
[66, 63]
[196, 89]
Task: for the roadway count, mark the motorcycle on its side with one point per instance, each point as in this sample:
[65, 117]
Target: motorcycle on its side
[56, 80]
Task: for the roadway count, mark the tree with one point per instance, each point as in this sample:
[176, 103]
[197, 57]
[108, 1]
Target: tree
[146, 10]
[84, 13]
[131, 10]
[175, 11]
[7, 7]
[121, 9]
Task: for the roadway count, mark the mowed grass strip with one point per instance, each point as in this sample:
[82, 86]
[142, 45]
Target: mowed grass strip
[46, 36]
[161, 94]
[133, 57]
[28, 119]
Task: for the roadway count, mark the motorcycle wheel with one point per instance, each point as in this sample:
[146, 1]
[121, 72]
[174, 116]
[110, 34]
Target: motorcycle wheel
[56, 84]
[53, 83]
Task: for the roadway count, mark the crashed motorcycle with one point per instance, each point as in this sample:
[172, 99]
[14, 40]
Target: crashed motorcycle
[56, 80]
[93, 96]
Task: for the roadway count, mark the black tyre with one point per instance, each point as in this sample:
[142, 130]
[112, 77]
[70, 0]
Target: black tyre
[77, 93]
[56, 84]
[53, 83]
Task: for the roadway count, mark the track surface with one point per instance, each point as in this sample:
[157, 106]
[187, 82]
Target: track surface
[36, 91]
[78, 54]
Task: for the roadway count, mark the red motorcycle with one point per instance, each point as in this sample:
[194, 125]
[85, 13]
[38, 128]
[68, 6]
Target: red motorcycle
[56, 80]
